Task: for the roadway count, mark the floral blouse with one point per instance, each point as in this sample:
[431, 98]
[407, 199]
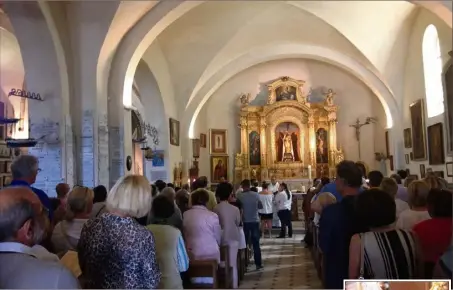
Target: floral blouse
[116, 252]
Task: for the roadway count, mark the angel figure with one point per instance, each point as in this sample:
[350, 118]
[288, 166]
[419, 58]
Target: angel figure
[329, 97]
[245, 99]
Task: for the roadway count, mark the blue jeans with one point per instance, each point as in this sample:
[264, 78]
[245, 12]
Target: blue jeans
[252, 235]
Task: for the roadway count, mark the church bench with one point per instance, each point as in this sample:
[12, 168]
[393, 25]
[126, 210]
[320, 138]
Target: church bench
[242, 263]
[203, 269]
[225, 271]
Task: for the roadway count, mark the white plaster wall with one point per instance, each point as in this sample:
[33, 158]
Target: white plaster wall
[353, 97]
[414, 83]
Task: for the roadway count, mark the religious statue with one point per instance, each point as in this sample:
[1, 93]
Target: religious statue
[288, 151]
[245, 99]
[329, 98]
[358, 125]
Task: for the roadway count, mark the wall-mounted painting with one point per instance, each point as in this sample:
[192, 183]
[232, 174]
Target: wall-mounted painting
[218, 141]
[255, 150]
[158, 158]
[219, 168]
[407, 138]
[322, 152]
[285, 93]
[436, 144]
[448, 85]
[418, 130]
[203, 140]
[174, 132]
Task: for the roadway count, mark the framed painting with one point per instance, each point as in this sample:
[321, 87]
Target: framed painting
[449, 169]
[387, 150]
[203, 140]
[418, 130]
[218, 141]
[157, 158]
[407, 138]
[448, 103]
[219, 168]
[174, 132]
[406, 156]
[422, 171]
[436, 144]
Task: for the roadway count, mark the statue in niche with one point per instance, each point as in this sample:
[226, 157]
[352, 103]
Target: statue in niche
[245, 99]
[329, 98]
[288, 142]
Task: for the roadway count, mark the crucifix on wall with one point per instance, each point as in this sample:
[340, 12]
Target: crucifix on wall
[357, 126]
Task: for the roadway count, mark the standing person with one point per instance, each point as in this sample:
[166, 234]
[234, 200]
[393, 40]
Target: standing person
[283, 201]
[266, 213]
[390, 186]
[62, 190]
[273, 187]
[402, 190]
[100, 195]
[250, 202]
[338, 224]
[418, 194]
[202, 183]
[24, 170]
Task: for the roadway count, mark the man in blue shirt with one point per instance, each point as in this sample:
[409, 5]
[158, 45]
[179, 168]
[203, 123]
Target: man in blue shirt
[338, 224]
[250, 203]
[24, 170]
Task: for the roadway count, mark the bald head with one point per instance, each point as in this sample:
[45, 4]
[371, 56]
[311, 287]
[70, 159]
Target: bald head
[21, 216]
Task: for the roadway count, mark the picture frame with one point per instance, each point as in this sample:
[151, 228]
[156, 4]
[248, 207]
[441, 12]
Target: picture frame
[436, 144]
[407, 138]
[219, 168]
[429, 170]
[418, 130]
[218, 141]
[449, 169]
[422, 171]
[411, 155]
[406, 157]
[203, 140]
[174, 132]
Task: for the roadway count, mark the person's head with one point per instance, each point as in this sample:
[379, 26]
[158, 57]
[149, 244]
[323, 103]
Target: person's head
[349, 177]
[284, 187]
[418, 192]
[273, 180]
[256, 183]
[100, 193]
[177, 188]
[409, 180]
[169, 193]
[375, 208]
[265, 185]
[389, 185]
[62, 190]
[186, 187]
[182, 197]
[162, 207]
[80, 202]
[130, 196]
[375, 178]
[439, 203]
[325, 180]
[171, 185]
[224, 191]
[26, 168]
[23, 219]
[436, 182]
[222, 179]
[202, 182]
[200, 197]
[160, 184]
[402, 174]
[397, 178]
[245, 184]
[326, 198]
[254, 189]
[361, 168]
[154, 190]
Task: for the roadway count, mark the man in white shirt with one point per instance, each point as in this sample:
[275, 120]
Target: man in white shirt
[22, 226]
[273, 187]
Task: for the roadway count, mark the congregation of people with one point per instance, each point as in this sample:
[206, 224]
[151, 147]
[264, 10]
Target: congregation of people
[367, 226]
[137, 235]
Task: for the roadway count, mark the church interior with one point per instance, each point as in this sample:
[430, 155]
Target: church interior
[230, 90]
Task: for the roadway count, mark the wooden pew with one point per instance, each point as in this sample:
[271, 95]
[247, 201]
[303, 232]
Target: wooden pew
[242, 264]
[225, 271]
[206, 268]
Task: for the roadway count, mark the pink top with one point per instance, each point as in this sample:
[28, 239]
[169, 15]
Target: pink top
[202, 233]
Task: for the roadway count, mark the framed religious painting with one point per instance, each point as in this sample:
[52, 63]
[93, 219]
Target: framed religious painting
[406, 156]
[449, 168]
[219, 168]
[407, 138]
[203, 140]
[436, 144]
[218, 141]
[418, 130]
[174, 132]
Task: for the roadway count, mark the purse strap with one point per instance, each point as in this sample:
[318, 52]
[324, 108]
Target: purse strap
[362, 256]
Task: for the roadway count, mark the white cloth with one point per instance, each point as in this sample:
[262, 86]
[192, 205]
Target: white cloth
[401, 206]
[273, 187]
[266, 201]
[282, 201]
[409, 218]
[242, 243]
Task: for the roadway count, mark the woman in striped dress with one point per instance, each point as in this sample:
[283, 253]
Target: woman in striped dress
[387, 253]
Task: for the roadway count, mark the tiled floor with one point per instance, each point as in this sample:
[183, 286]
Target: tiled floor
[287, 264]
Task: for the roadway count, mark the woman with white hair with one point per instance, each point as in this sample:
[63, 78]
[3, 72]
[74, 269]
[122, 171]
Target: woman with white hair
[114, 250]
[66, 233]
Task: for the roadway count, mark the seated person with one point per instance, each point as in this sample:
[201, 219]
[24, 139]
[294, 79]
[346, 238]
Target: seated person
[170, 249]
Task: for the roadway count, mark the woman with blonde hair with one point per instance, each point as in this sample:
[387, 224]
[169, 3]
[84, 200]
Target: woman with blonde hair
[66, 233]
[418, 194]
[114, 250]
[435, 182]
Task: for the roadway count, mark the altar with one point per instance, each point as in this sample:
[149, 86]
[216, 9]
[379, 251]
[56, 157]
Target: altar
[288, 138]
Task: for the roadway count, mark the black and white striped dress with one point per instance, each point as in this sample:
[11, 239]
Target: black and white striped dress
[391, 255]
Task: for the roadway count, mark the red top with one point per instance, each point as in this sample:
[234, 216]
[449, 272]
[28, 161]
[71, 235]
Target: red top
[435, 236]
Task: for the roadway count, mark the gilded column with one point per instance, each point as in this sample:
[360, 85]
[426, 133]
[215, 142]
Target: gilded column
[312, 140]
[263, 142]
[244, 136]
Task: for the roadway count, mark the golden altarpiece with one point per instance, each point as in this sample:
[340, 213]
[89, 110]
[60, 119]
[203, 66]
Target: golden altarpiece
[288, 138]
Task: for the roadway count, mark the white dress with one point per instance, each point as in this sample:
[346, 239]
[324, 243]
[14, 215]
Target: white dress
[275, 219]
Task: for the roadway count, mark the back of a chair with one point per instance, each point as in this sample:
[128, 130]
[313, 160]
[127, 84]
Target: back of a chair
[224, 256]
[203, 269]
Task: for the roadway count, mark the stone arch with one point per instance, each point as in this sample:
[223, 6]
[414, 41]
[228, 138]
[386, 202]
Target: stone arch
[47, 74]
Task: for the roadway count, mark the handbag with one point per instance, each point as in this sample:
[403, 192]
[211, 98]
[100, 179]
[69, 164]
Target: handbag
[362, 257]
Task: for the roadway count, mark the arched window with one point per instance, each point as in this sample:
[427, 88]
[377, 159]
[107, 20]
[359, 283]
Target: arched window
[432, 69]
